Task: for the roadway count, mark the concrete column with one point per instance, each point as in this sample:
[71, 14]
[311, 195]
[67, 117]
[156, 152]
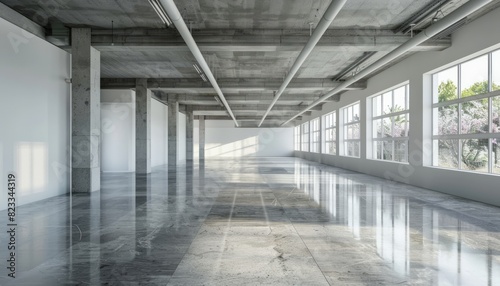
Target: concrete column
[142, 127]
[86, 113]
[189, 133]
[173, 115]
[201, 145]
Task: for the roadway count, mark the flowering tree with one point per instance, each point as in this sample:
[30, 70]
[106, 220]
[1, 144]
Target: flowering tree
[474, 120]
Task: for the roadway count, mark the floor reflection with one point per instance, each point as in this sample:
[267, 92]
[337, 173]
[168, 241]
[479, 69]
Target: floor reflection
[274, 221]
[410, 232]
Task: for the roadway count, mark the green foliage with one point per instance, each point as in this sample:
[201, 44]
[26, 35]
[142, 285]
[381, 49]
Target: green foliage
[447, 91]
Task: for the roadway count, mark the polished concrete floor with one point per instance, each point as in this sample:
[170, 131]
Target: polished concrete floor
[267, 221]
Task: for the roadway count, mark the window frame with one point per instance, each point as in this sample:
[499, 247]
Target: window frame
[459, 102]
[305, 130]
[330, 123]
[345, 126]
[373, 139]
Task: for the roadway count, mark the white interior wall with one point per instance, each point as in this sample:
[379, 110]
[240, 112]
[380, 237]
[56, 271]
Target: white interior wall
[181, 138]
[34, 115]
[159, 135]
[475, 38]
[222, 139]
[118, 130]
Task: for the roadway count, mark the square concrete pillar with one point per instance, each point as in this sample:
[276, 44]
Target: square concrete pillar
[142, 127]
[201, 145]
[86, 113]
[173, 118]
[189, 133]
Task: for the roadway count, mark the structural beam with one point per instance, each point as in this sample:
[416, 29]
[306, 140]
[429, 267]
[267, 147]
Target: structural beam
[250, 107]
[142, 127]
[173, 116]
[201, 138]
[227, 40]
[189, 134]
[246, 118]
[86, 113]
[229, 85]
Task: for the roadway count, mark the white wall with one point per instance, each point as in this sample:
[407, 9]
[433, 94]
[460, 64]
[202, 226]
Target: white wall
[117, 131]
[181, 139]
[159, 134]
[222, 139]
[475, 38]
[34, 115]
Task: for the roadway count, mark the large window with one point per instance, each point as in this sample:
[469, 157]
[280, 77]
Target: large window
[305, 137]
[330, 135]
[297, 138]
[466, 127]
[315, 129]
[351, 132]
[390, 125]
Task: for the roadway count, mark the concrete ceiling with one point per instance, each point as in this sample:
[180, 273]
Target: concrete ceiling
[249, 45]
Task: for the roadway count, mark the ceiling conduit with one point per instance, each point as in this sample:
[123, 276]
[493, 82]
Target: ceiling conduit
[328, 17]
[175, 16]
[455, 16]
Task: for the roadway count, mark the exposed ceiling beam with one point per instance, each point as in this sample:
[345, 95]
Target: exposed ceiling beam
[235, 85]
[252, 108]
[247, 118]
[194, 99]
[223, 40]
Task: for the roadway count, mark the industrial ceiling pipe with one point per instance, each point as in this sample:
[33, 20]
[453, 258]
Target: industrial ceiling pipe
[330, 14]
[455, 16]
[175, 16]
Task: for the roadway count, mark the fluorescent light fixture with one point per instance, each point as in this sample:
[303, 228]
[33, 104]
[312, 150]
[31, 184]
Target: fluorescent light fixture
[161, 12]
[198, 70]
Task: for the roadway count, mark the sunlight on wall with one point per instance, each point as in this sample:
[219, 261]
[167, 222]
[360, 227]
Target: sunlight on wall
[32, 167]
[240, 148]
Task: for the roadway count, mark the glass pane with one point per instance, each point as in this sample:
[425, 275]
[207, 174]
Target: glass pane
[355, 112]
[387, 132]
[377, 128]
[349, 114]
[377, 106]
[495, 115]
[495, 146]
[401, 150]
[387, 102]
[400, 125]
[475, 117]
[349, 132]
[445, 85]
[495, 71]
[474, 76]
[447, 153]
[400, 99]
[448, 120]
[334, 119]
[475, 155]
[356, 149]
[388, 150]
[356, 131]
[378, 145]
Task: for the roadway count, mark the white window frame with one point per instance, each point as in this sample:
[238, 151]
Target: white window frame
[375, 139]
[297, 136]
[330, 123]
[305, 140]
[459, 101]
[315, 141]
[345, 126]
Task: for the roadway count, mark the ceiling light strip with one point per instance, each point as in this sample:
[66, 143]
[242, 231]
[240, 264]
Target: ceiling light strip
[161, 12]
[455, 16]
[176, 18]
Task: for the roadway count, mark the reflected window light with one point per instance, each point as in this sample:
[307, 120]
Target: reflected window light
[32, 167]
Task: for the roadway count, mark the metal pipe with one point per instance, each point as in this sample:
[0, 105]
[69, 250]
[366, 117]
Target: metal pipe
[175, 16]
[455, 16]
[330, 14]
